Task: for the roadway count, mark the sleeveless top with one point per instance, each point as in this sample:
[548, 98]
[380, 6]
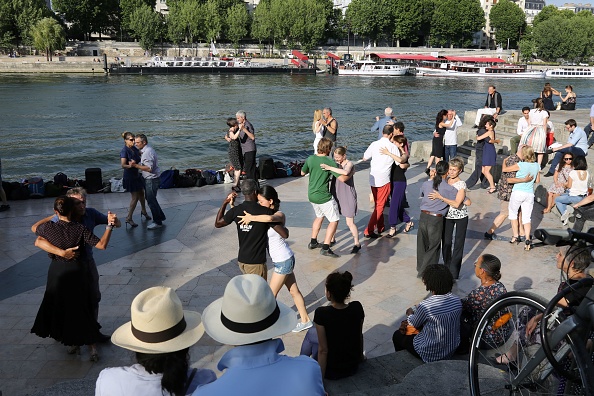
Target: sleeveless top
[278, 248]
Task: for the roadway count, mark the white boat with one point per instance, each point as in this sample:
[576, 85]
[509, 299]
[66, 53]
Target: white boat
[158, 61]
[484, 71]
[370, 68]
[573, 72]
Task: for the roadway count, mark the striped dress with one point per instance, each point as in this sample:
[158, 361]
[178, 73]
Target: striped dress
[439, 318]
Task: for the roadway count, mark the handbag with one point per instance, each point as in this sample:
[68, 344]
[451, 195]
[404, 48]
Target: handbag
[117, 185]
[550, 138]
[408, 329]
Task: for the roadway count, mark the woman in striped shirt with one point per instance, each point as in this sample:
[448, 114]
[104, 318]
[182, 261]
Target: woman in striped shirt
[437, 317]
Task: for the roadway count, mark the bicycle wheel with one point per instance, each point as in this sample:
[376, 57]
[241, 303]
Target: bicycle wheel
[502, 330]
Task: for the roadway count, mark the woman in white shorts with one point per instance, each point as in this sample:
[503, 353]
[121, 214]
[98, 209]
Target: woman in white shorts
[527, 172]
[281, 254]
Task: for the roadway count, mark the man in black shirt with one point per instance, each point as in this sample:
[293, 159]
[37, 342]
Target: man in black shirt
[253, 237]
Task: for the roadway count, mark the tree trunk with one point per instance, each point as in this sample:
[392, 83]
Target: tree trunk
[47, 54]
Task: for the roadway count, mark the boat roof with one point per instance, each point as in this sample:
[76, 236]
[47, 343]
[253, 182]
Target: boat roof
[300, 55]
[405, 56]
[333, 56]
[474, 59]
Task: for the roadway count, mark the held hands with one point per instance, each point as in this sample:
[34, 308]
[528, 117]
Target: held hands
[70, 253]
[111, 218]
[246, 218]
[230, 198]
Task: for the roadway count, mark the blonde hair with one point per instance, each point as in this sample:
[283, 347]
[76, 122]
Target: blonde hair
[457, 163]
[340, 150]
[317, 117]
[528, 154]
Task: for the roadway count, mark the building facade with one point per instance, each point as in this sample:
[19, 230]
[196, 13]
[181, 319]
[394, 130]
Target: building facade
[577, 7]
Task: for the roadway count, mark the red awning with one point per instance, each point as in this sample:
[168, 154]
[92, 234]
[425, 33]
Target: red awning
[474, 59]
[300, 56]
[405, 57]
[333, 56]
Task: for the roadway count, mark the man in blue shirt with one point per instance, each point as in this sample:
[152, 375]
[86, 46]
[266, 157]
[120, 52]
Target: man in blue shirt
[380, 123]
[577, 144]
[90, 218]
[248, 316]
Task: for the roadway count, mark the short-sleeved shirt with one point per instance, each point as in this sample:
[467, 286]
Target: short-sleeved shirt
[65, 235]
[526, 168]
[437, 205]
[451, 137]
[343, 334]
[247, 144]
[476, 303]
[318, 189]
[438, 317]
[381, 164]
[253, 237]
[90, 219]
[504, 189]
[579, 139]
[462, 212]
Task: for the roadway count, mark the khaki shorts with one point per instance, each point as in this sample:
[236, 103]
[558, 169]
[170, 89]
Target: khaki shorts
[329, 210]
[257, 269]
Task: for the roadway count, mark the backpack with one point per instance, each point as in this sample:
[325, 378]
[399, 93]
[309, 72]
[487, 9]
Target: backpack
[61, 179]
[168, 178]
[267, 168]
[280, 169]
[295, 168]
[19, 191]
[52, 189]
[185, 180]
[36, 187]
[210, 177]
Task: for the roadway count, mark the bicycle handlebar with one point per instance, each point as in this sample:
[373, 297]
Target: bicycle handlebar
[557, 237]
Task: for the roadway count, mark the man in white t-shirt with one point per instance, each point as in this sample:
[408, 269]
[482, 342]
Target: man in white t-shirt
[523, 124]
[379, 179]
[450, 139]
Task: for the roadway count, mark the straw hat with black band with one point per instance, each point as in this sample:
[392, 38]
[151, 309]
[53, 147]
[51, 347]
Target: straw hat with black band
[247, 313]
[159, 324]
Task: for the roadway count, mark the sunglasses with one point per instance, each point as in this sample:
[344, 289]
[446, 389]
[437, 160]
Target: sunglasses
[568, 158]
[131, 139]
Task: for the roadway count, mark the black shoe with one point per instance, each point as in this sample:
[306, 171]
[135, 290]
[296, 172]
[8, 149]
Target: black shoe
[372, 235]
[355, 249]
[328, 253]
[549, 151]
[313, 245]
[488, 236]
[104, 338]
[475, 126]
[548, 174]
[4, 208]
[427, 171]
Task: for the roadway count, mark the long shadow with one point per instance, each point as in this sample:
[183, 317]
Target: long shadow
[32, 272]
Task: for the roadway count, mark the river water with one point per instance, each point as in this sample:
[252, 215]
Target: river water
[66, 123]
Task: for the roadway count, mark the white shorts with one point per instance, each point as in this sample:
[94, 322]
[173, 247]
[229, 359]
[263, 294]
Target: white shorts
[524, 200]
[329, 210]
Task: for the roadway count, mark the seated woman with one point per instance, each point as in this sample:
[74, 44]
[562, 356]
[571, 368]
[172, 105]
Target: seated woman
[339, 330]
[576, 185]
[569, 101]
[162, 354]
[437, 317]
[573, 262]
[487, 268]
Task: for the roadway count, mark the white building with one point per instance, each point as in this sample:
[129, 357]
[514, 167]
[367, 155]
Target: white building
[342, 5]
[577, 7]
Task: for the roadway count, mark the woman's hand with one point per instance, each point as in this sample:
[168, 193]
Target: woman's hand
[70, 253]
[532, 324]
[384, 151]
[246, 218]
[324, 166]
[434, 195]
[528, 178]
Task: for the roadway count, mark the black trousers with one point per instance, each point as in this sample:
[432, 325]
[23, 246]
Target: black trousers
[402, 342]
[428, 241]
[249, 165]
[453, 258]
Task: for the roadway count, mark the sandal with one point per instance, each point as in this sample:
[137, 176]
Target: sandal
[391, 233]
[409, 226]
[515, 240]
[528, 245]
[492, 190]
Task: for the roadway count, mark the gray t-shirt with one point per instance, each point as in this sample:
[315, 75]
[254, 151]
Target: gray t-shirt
[247, 144]
[437, 205]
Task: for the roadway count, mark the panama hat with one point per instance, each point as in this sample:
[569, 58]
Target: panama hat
[247, 313]
[159, 324]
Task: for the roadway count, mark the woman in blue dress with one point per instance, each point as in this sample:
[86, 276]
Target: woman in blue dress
[489, 153]
[132, 180]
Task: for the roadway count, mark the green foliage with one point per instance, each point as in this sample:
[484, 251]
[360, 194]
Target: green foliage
[127, 7]
[509, 22]
[213, 22]
[369, 18]
[48, 35]
[527, 49]
[544, 14]
[456, 21]
[409, 17]
[307, 22]
[89, 15]
[238, 20]
[146, 25]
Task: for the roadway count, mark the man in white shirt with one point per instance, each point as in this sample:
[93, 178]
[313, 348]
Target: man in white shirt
[522, 126]
[450, 139]
[379, 179]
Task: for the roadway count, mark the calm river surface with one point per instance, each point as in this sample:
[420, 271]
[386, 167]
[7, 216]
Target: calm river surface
[66, 123]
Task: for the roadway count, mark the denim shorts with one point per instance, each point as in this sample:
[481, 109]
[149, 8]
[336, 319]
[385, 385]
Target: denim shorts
[285, 267]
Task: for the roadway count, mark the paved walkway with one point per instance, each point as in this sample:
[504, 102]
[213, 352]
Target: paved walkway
[196, 259]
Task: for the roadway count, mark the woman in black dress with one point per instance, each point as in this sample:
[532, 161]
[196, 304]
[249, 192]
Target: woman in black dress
[235, 156]
[132, 181]
[437, 150]
[66, 312]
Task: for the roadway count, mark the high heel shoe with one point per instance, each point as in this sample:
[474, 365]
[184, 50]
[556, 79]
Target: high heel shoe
[131, 223]
[515, 240]
[146, 216]
[528, 245]
[391, 233]
[409, 226]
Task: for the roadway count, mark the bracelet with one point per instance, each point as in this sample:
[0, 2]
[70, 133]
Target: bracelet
[110, 227]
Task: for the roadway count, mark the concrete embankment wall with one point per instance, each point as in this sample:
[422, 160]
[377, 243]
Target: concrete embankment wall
[51, 67]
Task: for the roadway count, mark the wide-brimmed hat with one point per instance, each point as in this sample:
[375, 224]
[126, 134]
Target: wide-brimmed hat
[247, 313]
[159, 324]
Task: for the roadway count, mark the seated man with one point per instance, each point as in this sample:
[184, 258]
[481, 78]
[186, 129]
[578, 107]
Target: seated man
[249, 317]
[492, 107]
[581, 211]
[523, 124]
[577, 144]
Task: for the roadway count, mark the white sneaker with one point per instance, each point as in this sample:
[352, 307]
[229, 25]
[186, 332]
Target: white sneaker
[302, 326]
[154, 226]
[565, 216]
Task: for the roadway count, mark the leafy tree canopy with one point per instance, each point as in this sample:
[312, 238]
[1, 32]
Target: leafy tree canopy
[48, 35]
[456, 21]
[508, 20]
[369, 18]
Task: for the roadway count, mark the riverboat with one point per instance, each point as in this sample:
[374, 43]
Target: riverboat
[460, 66]
[570, 73]
[370, 68]
[210, 65]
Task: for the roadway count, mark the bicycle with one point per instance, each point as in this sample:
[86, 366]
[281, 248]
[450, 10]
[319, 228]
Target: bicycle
[558, 361]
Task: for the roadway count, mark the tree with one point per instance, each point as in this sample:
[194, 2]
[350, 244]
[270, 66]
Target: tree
[544, 14]
[408, 17]
[89, 15]
[368, 18]
[551, 38]
[509, 22]
[48, 36]
[146, 25]
[527, 49]
[456, 21]
[213, 23]
[127, 7]
[307, 22]
[238, 21]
